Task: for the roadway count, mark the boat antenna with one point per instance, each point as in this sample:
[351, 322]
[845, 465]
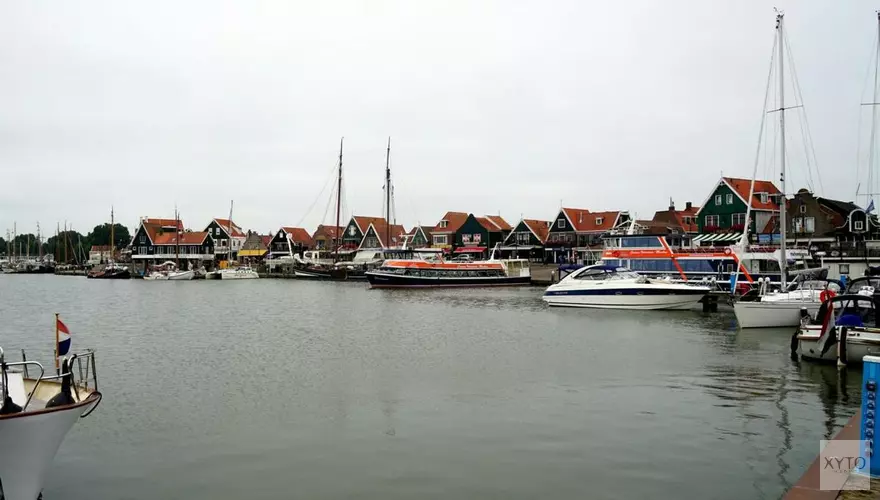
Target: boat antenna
[388, 194]
[338, 203]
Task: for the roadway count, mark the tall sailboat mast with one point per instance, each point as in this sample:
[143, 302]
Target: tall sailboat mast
[229, 233]
[177, 238]
[112, 233]
[338, 203]
[783, 261]
[388, 194]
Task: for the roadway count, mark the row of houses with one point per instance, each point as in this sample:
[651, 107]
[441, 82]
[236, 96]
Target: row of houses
[572, 234]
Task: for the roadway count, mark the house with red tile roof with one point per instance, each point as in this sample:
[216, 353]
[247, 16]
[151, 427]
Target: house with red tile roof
[355, 230]
[684, 221]
[721, 218]
[220, 230]
[527, 239]
[255, 247]
[159, 240]
[325, 237]
[576, 233]
[378, 232]
[288, 241]
[443, 234]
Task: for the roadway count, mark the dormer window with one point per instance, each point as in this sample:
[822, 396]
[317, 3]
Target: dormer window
[444, 223]
[803, 209]
[764, 197]
[858, 225]
[599, 221]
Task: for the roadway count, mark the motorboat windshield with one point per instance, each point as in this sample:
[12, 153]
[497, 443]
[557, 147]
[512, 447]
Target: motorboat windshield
[604, 272]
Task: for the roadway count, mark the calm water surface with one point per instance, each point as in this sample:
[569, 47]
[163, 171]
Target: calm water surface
[268, 389]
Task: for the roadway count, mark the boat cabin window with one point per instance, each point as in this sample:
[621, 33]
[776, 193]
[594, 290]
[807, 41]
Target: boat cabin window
[592, 274]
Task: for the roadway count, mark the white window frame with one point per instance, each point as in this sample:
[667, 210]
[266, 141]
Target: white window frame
[717, 200]
[764, 197]
[858, 225]
[441, 239]
[802, 209]
[809, 224]
[560, 223]
[843, 269]
[600, 220]
[444, 224]
[734, 217]
[730, 198]
[712, 220]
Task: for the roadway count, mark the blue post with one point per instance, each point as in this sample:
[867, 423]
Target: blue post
[732, 283]
[870, 380]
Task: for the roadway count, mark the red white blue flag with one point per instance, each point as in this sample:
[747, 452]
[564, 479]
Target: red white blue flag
[63, 337]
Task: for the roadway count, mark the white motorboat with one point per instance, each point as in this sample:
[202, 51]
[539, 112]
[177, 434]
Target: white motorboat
[168, 271]
[845, 329]
[35, 416]
[238, 273]
[609, 287]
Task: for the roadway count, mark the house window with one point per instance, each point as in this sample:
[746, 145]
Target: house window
[560, 223]
[216, 231]
[802, 209]
[443, 224]
[810, 224]
[143, 239]
[797, 225]
[440, 239]
[738, 219]
[843, 269]
[522, 238]
[764, 197]
[142, 250]
[730, 199]
[718, 199]
[859, 225]
[712, 220]
[686, 220]
[599, 221]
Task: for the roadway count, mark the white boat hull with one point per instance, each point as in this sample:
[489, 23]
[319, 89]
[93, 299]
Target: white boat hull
[29, 442]
[776, 314]
[238, 275]
[858, 346]
[636, 302]
[181, 275]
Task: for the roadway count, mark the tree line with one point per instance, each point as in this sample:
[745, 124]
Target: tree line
[67, 246]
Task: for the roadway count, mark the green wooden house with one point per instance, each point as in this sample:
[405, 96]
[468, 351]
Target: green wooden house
[478, 235]
[220, 230]
[419, 237]
[722, 217]
[356, 229]
[527, 240]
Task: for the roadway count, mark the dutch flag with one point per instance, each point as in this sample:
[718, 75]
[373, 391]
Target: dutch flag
[63, 337]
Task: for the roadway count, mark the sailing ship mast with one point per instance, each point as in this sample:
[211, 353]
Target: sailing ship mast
[112, 234]
[388, 194]
[783, 261]
[229, 234]
[338, 204]
[177, 238]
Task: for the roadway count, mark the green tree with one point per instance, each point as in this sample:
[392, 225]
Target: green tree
[68, 247]
[3, 248]
[101, 235]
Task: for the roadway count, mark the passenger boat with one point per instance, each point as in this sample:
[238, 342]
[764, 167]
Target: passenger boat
[36, 414]
[611, 287]
[419, 273]
[845, 329]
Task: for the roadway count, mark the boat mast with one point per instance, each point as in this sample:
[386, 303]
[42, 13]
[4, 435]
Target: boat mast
[112, 234]
[783, 261]
[177, 238]
[229, 234]
[39, 242]
[388, 194]
[874, 103]
[338, 203]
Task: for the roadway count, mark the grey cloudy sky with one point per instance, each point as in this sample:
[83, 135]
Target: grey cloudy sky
[506, 106]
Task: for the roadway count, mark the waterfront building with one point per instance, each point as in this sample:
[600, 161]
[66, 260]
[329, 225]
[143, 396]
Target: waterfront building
[443, 234]
[255, 247]
[576, 234]
[377, 233]
[419, 237]
[683, 220]
[99, 254]
[289, 241]
[721, 218]
[526, 240]
[155, 241]
[355, 230]
[325, 237]
[220, 230]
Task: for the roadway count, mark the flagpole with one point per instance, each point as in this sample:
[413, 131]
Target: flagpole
[57, 369]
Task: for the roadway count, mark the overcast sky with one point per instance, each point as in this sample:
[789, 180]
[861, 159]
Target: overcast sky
[503, 106]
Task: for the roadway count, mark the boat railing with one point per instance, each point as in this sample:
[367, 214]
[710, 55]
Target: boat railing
[85, 369]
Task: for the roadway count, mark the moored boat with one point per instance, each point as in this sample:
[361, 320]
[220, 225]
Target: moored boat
[845, 329]
[237, 273]
[35, 416]
[608, 287]
[417, 273]
[111, 271]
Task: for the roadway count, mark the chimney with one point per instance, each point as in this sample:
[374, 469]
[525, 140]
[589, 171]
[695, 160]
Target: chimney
[671, 205]
[688, 205]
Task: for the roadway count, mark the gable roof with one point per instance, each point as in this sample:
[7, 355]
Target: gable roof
[266, 239]
[363, 222]
[163, 222]
[540, 228]
[189, 238]
[226, 223]
[298, 235]
[156, 228]
[454, 221]
[742, 186]
[842, 207]
[100, 248]
[397, 234]
[500, 222]
[584, 221]
[332, 232]
[671, 215]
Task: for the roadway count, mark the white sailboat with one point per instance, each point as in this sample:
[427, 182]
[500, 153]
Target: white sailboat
[783, 308]
[233, 272]
[170, 271]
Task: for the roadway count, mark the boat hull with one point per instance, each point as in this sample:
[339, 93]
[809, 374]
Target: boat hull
[29, 442]
[633, 298]
[383, 280]
[858, 345]
[122, 274]
[238, 275]
[181, 275]
[777, 314]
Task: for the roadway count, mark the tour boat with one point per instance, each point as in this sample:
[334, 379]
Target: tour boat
[35, 416]
[845, 329]
[418, 273]
[610, 287]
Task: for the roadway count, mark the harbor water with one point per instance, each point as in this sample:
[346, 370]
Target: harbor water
[267, 389]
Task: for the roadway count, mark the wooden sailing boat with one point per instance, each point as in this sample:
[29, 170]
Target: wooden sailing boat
[111, 270]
